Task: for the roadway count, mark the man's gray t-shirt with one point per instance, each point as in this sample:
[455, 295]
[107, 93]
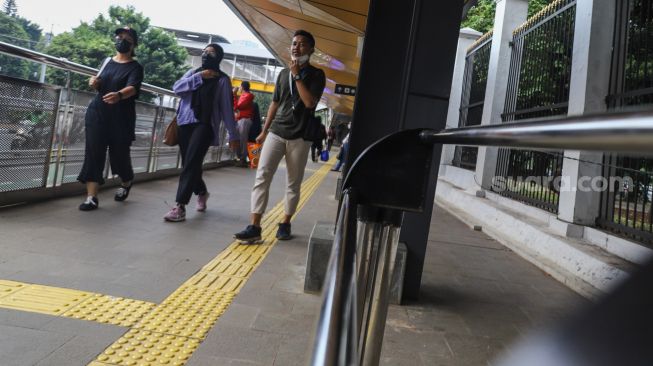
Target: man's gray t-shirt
[287, 123]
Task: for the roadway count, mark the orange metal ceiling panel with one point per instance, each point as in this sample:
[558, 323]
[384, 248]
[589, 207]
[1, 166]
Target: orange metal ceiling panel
[290, 21]
[352, 6]
[356, 20]
[336, 25]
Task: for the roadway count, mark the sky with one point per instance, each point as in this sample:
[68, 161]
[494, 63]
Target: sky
[204, 16]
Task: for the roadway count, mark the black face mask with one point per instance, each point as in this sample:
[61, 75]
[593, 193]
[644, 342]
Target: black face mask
[210, 62]
[123, 45]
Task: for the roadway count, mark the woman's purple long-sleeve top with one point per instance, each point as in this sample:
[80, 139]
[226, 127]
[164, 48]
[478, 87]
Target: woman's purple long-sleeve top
[223, 109]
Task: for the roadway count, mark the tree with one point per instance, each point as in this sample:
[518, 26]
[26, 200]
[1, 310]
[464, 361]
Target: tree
[481, 16]
[32, 29]
[9, 7]
[12, 32]
[90, 43]
[264, 100]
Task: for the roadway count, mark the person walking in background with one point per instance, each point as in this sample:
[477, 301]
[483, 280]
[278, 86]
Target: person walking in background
[318, 145]
[110, 120]
[244, 109]
[205, 102]
[331, 135]
[297, 91]
[342, 155]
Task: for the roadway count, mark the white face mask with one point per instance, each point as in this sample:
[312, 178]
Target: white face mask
[301, 59]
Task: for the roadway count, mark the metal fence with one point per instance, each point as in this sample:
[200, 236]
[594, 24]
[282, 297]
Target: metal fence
[42, 136]
[251, 68]
[28, 111]
[530, 177]
[626, 209]
[538, 86]
[477, 63]
[540, 66]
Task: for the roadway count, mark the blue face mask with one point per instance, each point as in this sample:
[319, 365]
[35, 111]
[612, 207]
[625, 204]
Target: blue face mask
[123, 45]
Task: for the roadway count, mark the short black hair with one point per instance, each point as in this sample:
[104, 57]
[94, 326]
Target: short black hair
[245, 85]
[301, 32]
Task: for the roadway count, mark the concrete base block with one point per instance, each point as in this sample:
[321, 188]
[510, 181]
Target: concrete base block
[319, 250]
[566, 229]
[397, 279]
[338, 188]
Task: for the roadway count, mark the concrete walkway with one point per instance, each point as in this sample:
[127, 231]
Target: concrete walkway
[477, 297]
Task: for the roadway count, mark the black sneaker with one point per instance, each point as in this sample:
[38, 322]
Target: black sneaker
[90, 204]
[283, 232]
[122, 193]
[251, 235]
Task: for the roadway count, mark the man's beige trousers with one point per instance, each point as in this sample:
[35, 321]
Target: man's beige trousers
[274, 149]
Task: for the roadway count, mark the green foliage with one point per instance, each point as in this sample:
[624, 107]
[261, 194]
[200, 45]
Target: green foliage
[536, 5]
[32, 29]
[546, 67]
[84, 46]
[264, 100]
[90, 43]
[12, 32]
[9, 8]
[481, 16]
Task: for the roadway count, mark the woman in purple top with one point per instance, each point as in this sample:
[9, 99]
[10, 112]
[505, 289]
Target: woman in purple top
[206, 101]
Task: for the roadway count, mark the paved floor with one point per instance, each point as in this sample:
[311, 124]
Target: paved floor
[477, 297]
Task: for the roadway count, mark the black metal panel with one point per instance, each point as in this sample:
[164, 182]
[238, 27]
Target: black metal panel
[390, 177]
[404, 82]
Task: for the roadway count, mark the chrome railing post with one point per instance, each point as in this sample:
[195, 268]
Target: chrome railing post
[158, 117]
[335, 337]
[386, 224]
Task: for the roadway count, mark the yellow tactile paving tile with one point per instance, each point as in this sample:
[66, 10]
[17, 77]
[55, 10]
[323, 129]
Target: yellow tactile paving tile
[145, 348]
[44, 299]
[111, 310]
[9, 287]
[182, 321]
[202, 299]
[174, 329]
[216, 282]
[228, 268]
[232, 256]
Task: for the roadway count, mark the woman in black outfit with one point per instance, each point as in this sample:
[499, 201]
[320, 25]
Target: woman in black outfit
[111, 118]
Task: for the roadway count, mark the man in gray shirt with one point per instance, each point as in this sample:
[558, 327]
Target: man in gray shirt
[296, 94]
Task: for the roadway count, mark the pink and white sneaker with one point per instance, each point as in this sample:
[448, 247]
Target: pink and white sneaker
[177, 214]
[201, 201]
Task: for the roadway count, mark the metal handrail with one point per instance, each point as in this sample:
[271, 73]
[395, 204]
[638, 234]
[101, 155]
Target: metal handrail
[620, 132]
[328, 344]
[64, 64]
[340, 320]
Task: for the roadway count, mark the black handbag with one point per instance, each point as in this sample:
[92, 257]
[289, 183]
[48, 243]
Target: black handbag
[313, 131]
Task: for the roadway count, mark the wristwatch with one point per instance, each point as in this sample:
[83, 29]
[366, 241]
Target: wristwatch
[297, 77]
